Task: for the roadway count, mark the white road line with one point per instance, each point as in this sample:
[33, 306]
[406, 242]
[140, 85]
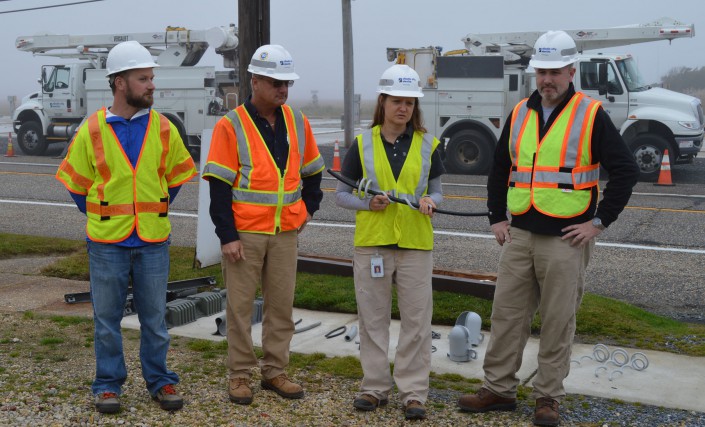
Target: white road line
[439, 232]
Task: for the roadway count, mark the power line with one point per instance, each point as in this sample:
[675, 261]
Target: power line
[48, 7]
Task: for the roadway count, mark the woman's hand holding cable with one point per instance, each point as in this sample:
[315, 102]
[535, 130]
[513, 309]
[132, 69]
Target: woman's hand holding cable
[379, 202]
[426, 206]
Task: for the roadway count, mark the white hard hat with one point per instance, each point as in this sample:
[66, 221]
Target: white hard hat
[273, 61]
[400, 80]
[128, 56]
[554, 49]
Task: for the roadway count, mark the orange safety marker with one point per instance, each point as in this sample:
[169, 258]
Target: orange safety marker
[10, 150]
[664, 177]
[336, 158]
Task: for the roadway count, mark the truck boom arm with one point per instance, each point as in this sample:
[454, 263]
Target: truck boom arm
[518, 46]
[172, 47]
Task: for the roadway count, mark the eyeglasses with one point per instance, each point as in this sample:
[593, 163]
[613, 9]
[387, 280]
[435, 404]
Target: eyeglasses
[278, 83]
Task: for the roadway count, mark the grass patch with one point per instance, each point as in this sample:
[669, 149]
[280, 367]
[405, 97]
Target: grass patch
[600, 319]
[14, 245]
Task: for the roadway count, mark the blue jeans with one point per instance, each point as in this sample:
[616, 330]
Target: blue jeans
[111, 268]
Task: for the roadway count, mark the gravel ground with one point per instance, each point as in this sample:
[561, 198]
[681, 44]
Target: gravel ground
[46, 369]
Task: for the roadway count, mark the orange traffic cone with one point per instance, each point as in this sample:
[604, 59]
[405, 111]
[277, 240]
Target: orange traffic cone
[10, 150]
[336, 158]
[664, 177]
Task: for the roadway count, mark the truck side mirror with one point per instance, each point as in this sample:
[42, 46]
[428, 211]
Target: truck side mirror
[603, 84]
[602, 78]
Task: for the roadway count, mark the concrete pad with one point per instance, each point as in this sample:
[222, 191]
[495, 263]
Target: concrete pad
[669, 380]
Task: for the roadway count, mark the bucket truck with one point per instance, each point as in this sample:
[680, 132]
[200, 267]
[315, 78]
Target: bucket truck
[192, 97]
[470, 92]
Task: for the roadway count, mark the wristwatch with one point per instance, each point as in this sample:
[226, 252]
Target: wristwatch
[597, 223]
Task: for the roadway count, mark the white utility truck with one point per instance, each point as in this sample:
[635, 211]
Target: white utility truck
[468, 93]
[192, 97]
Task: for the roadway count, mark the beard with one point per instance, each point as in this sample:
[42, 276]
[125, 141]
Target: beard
[141, 102]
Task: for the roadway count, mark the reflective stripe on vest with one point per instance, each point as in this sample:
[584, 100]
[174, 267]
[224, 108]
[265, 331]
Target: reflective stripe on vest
[396, 224]
[550, 174]
[369, 166]
[241, 192]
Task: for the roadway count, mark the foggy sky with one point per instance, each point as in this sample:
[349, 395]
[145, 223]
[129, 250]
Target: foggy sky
[312, 31]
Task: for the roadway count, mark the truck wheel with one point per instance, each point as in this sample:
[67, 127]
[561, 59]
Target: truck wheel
[31, 139]
[468, 152]
[648, 150]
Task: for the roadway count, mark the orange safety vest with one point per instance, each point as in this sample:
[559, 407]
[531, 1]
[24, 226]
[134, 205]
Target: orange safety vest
[263, 199]
[120, 197]
[556, 174]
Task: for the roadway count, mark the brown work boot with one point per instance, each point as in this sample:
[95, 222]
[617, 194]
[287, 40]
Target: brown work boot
[283, 387]
[546, 412]
[239, 391]
[367, 402]
[414, 410]
[484, 401]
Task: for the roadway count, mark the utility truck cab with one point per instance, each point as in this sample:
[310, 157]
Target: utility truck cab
[192, 97]
[469, 93]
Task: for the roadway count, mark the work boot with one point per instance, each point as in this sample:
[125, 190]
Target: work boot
[169, 399]
[367, 402]
[546, 412]
[239, 391]
[484, 401]
[107, 402]
[283, 387]
[414, 410]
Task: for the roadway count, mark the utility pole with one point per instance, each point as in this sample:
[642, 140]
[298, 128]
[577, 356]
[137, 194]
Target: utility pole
[348, 76]
[253, 31]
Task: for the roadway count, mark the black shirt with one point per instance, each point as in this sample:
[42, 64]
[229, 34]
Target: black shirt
[396, 155]
[221, 209]
[608, 149]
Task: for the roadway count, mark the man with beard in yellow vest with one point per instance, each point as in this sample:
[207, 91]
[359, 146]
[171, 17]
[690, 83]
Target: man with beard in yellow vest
[545, 173]
[123, 169]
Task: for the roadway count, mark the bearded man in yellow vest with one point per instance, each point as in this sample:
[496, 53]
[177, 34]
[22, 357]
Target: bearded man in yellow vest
[264, 172]
[545, 173]
[123, 169]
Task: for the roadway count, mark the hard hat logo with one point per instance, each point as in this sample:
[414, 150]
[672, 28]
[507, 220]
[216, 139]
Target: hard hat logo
[273, 61]
[400, 80]
[554, 49]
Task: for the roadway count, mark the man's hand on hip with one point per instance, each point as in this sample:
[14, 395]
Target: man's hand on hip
[580, 234]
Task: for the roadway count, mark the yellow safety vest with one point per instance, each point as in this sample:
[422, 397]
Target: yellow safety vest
[397, 224]
[118, 196]
[554, 175]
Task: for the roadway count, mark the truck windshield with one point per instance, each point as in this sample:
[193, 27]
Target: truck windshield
[630, 74]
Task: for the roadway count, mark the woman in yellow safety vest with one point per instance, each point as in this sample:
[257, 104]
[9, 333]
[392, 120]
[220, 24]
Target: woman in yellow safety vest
[393, 242]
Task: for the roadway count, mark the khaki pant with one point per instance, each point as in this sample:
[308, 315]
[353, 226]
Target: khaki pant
[535, 272]
[411, 271]
[271, 260]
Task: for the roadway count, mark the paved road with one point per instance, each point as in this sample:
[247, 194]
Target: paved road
[652, 257]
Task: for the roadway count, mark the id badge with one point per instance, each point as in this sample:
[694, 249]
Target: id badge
[377, 266]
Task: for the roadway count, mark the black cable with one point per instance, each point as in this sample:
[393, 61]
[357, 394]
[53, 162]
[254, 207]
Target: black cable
[352, 184]
[336, 332]
[49, 7]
